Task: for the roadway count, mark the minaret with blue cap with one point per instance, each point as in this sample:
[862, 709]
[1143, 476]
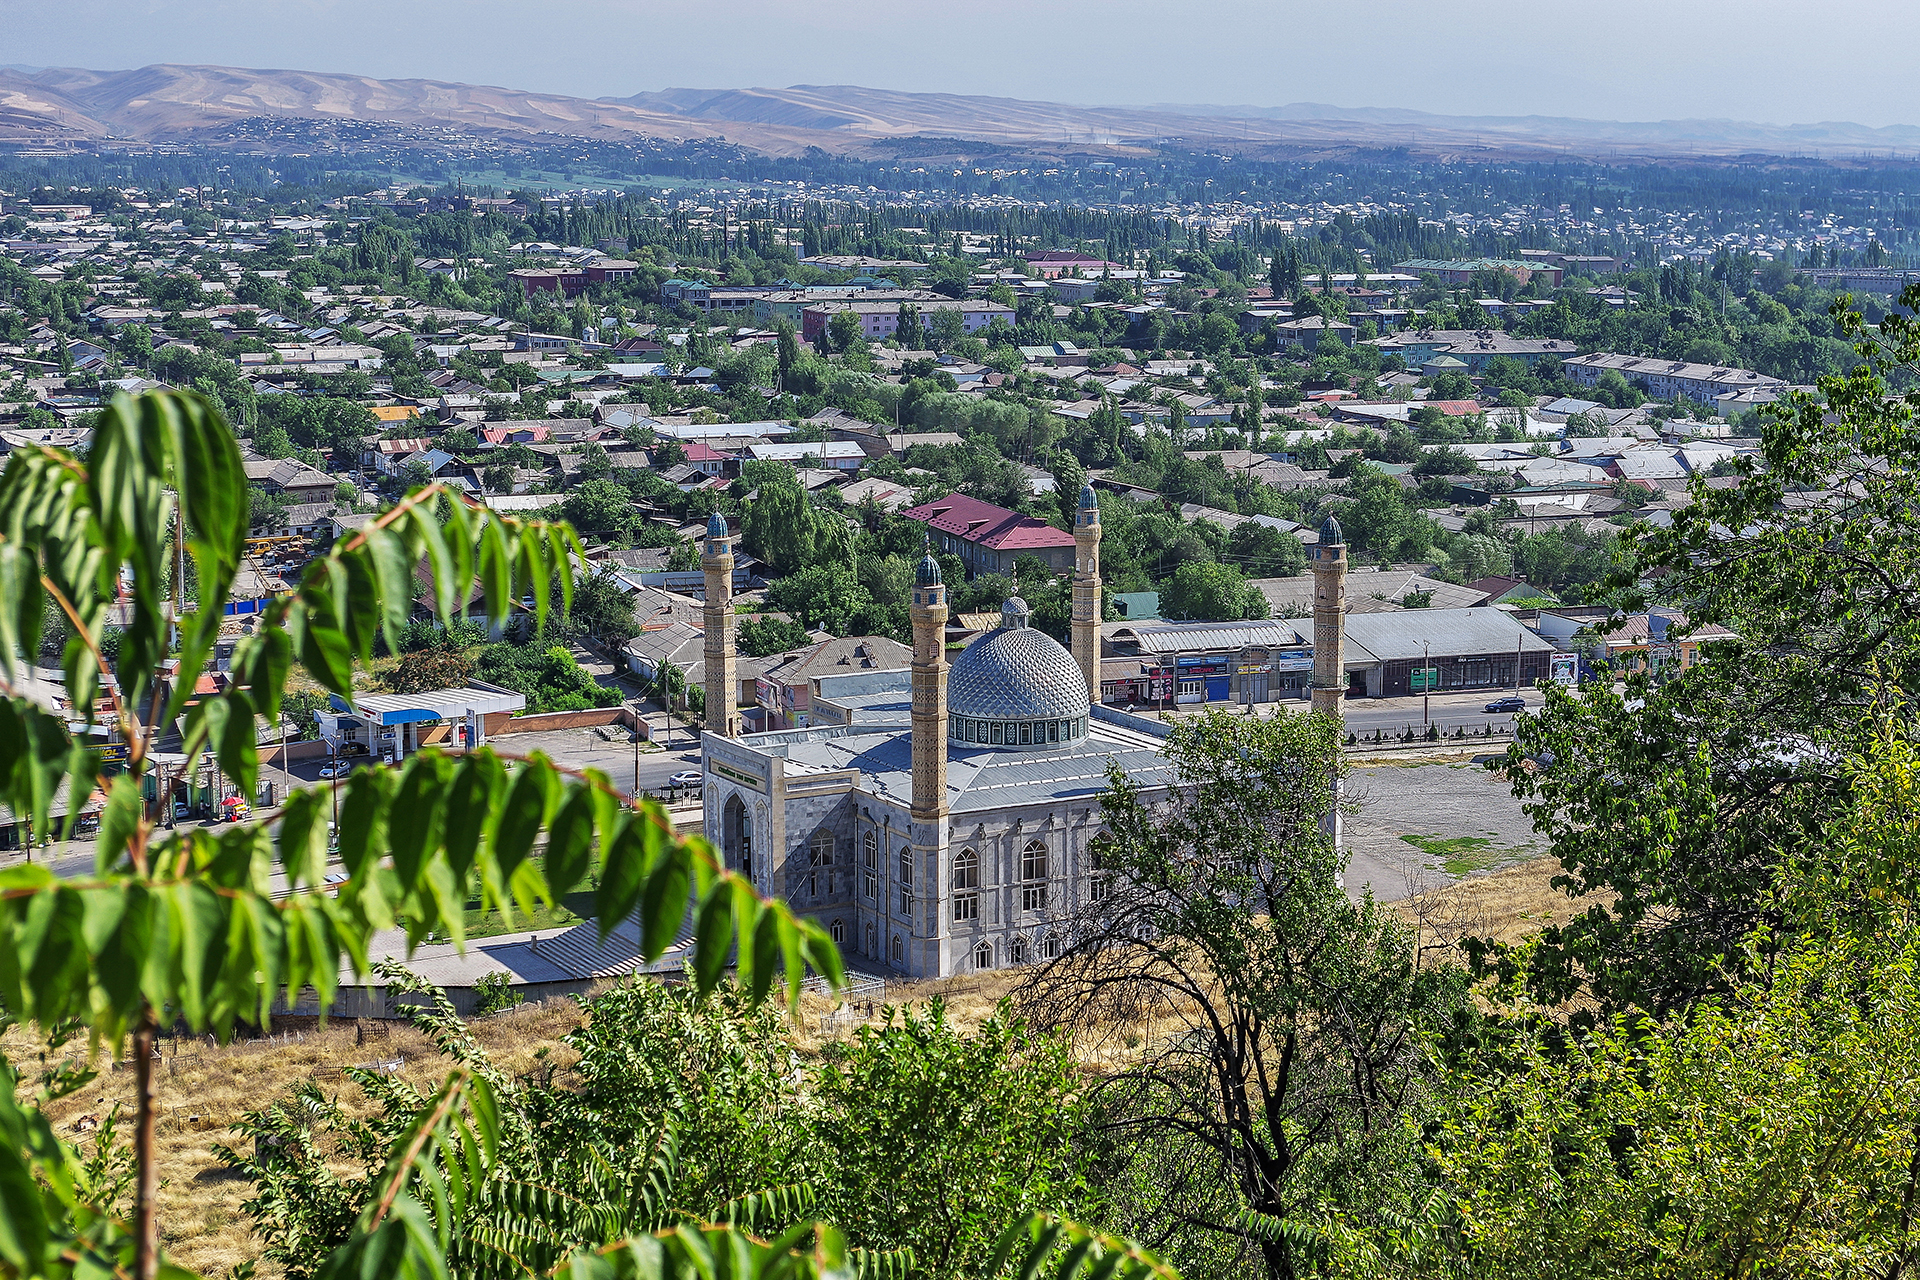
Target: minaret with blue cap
[1086, 590]
[1329, 567]
[722, 687]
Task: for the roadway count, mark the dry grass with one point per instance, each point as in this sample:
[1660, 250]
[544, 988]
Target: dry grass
[204, 1089]
[1506, 904]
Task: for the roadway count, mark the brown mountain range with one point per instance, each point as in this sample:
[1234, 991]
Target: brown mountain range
[214, 105]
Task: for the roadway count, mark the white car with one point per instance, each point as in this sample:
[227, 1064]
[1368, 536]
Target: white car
[335, 769]
[685, 778]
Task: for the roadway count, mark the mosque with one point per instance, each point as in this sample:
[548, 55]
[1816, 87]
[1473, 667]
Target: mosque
[938, 821]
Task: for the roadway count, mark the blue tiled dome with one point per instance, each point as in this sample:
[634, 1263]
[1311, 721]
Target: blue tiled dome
[1088, 500]
[929, 572]
[716, 525]
[1331, 534]
[1019, 683]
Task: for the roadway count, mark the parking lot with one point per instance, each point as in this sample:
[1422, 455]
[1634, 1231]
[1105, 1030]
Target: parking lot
[1416, 826]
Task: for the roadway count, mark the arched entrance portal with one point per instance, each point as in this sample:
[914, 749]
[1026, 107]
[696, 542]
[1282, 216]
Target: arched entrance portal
[736, 835]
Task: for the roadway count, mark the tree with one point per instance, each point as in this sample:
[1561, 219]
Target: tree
[1210, 590]
[1284, 1054]
[603, 608]
[1260, 551]
[1675, 800]
[1768, 1132]
[424, 672]
[762, 637]
[784, 529]
[937, 1137]
[826, 596]
[910, 333]
[843, 331]
[599, 506]
[186, 922]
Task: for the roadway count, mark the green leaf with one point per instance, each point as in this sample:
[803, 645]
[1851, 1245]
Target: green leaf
[303, 837]
[713, 937]
[119, 822]
[521, 817]
[472, 804]
[413, 830]
[570, 842]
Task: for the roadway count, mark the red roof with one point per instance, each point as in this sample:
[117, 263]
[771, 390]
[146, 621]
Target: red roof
[1452, 408]
[500, 435]
[986, 525]
[700, 451]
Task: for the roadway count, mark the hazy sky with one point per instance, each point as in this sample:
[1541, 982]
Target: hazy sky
[1779, 61]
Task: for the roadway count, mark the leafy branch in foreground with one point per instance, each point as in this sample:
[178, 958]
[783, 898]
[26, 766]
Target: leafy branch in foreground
[188, 926]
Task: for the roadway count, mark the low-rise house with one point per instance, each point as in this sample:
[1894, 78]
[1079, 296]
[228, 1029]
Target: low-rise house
[989, 539]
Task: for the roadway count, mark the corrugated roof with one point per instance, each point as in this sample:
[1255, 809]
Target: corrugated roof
[1441, 632]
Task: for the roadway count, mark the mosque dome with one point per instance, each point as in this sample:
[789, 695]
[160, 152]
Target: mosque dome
[716, 525]
[1331, 534]
[928, 574]
[1016, 687]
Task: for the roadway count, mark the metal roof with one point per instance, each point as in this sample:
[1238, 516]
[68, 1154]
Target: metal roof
[982, 779]
[436, 704]
[1411, 633]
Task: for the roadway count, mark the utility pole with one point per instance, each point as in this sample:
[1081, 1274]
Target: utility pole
[1426, 688]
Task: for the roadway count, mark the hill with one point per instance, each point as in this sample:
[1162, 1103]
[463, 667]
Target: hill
[64, 106]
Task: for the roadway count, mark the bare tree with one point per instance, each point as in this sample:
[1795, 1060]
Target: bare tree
[1262, 1030]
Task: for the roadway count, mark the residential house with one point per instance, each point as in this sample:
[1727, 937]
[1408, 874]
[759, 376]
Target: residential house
[988, 539]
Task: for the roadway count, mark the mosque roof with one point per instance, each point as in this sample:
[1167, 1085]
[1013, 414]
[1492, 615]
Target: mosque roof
[1016, 673]
[983, 779]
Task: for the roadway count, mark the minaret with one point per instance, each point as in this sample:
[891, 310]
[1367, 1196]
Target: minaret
[929, 693]
[1330, 617]
[1086, 590]
[723, 689]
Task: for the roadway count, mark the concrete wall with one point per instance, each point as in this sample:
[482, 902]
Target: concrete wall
[589, 719]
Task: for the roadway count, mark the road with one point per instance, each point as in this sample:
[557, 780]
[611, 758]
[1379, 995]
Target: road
[1391, 715]
[1449, 710]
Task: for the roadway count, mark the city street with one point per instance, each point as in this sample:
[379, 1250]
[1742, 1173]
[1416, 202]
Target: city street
[1449, 710]
[1364, 716]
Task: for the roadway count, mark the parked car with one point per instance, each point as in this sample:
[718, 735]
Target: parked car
[353, 748]
[1511, 703]
[335, 769]
[685, 778]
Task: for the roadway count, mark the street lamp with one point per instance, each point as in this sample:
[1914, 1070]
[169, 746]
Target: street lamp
[1426, 688]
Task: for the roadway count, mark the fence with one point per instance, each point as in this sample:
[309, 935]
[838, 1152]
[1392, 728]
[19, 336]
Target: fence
[592, 719]
[1437, 733]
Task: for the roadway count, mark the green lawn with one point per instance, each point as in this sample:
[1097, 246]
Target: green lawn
[1460, 855]
[569, 911]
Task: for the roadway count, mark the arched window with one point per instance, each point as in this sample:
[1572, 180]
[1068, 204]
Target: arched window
[983, 957]
[966, 885]
[1100, 876]
[1050, 946]
[1034, 872]
[820, 863]
[870, 866]
[899, 952]
[906, 881]
[838, 932]
[873, 951]
[1017, 951]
